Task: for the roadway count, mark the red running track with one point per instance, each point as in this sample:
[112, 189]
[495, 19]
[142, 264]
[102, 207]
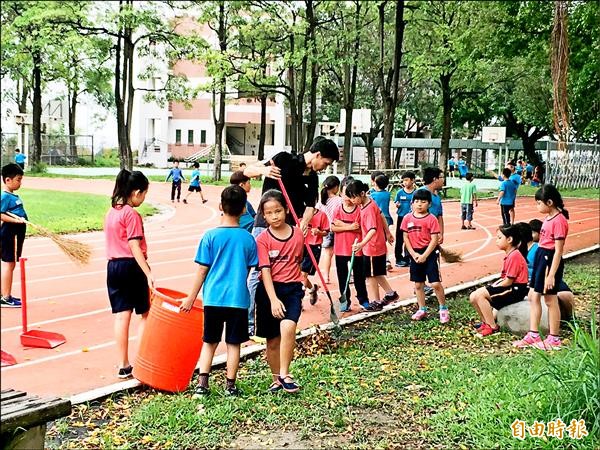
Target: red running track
[71, 300]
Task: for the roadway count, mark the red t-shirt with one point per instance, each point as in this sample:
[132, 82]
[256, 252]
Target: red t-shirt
[122, 224]
[342, 243]
[553, 229]
[320, 221]
[283, 257]
[370, 219]
[515, 267]
[420, 229]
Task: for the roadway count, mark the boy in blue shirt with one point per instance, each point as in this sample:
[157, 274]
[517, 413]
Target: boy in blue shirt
[246, 219]
[12, 231]
[507, 196]
[194, 184]
[403, 202]
[177, 175]
[20, 158]
[225, 256]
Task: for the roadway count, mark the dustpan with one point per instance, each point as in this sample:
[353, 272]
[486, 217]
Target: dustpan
[7, 359]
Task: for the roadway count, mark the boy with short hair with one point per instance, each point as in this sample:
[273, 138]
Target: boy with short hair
[12, 231]
[177, 176]
[373, 176]
[468, 199]
[506, 197]
[403, 202]
[195, 184]
[225, 256]
[20, 158]
[247, 219]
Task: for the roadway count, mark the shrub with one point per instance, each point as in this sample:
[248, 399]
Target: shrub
[39, 167]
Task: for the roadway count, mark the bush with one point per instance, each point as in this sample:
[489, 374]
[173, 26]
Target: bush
[39, 167]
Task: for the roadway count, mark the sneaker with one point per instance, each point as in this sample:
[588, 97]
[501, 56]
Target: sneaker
[185, 201]
[365, 305]
[528, 341]
[204, 201]
[375, 306]
[550, 343]
[275, 387]
[389, 298]
[478, 325]
[444, 315]
[233, 391]
[402, 263]
[125, 372]
[428, 291]
[288, 386]
[419, 315]
[463, 228]
[10, 302]
[313, 294]
[201, 391]
[345, 307]
[486, 330]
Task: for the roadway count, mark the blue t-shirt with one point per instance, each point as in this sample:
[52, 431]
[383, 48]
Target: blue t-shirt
[436, 204]
[530, 258]
[176, 174]
[529, 168]
[229, 253]
[13, 204]
[462, 166]
[519, 169]
[195, 180]
[516, 178]
[405, 201]
[20, 158]
[510, 192]
[382, 199]
[247, 219]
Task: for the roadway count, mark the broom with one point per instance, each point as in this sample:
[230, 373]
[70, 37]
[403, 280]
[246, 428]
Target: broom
[77, 251]
[450, 256]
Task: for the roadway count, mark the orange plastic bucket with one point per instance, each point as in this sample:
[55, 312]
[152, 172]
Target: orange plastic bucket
[171, 343]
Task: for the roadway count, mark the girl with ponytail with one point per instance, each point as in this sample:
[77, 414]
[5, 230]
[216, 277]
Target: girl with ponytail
[329, 201]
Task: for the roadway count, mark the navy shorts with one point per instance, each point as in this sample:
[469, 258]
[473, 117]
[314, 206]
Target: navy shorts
[127, 286]
[307, 265]
[12, 236]
[234, 320]
[194, 188]
[290, 294]
[541, 266]
[375, 266]
[502, 296]
[429, 270]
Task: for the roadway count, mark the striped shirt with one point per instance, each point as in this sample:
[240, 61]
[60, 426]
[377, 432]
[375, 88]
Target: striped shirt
[329, 207]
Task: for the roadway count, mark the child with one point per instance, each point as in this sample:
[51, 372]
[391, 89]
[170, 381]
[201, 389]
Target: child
[346, 226]
[329, 201]
[382, 199]
[177, 175]
[374, 233]
[451, 166]
[20, 158]
[403, 202]
[548, 269]
[512, 285]
[225, 255]
[421, 235]
[12, 231]
[462, 167]
[506, 197]
[374, 175]
[247, 218]
[194, 184]
[468, 199]
[128, 273]
[279, 292]
[317, 228]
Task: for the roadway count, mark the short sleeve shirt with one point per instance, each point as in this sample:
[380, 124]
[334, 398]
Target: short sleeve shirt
[420, 229]
[436, 204]
[176, 174]
[247, 219]
[318, 221]
[370, 219]
[516, 179]
[195, 180]
[330, 205]
[467, 191]
[382, 198]
[229, 253]
[404, 199]
[283, 257]
[342, 244]
[515, 267]
[531, 259]
[13, 204]
[553, 229]
[510, 192]
[20, 158]
[121, 225]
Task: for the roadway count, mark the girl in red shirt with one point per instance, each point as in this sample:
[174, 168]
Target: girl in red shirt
[512, 285]
[375, 232]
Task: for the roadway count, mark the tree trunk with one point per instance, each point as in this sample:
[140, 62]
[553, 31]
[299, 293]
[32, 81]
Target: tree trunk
[388, 134]
[293, 112]
[312, 123]
[129, 56]
[348, 136]
[72, 115]
[37, 108]
[446, 121]
[220, 119]
[369, 138]
[121, 78]
[263, 127]
[24, 92]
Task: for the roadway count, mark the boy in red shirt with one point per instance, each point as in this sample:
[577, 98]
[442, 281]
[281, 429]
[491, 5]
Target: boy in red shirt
[421, 236]
[317, 228]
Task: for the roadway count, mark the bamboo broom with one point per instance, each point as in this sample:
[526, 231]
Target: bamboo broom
[450, 256]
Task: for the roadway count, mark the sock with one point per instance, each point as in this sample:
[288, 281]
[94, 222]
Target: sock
[423, 308]
[442, 307]
[203, 380]
[554, 337]
[230, 383]
[534, 333]
[389, 294]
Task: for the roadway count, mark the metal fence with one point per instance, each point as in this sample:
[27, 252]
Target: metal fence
[576, 167]
[60, 150]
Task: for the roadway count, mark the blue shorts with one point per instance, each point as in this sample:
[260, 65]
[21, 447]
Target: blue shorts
[127, 286]
[307, 265]
[541, 266]
[290, 294]
[429, 270]
[466, 210]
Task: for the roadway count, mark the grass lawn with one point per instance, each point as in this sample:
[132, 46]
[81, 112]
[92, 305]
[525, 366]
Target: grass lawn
[68, 212]
[386, 383]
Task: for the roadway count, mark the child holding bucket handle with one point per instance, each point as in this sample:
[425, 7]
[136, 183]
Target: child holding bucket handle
[225, 256]
[128, 272]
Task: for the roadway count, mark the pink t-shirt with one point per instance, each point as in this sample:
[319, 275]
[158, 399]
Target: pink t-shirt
[321, 222]
[342, 243]
[420, 229]
[330, 206]
[515, 267]
[370, 219]
[283, 257]
[122, 224]
[553, 229]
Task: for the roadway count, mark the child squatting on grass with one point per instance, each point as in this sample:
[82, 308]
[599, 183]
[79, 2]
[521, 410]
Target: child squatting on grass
[224, 257]
[279, 292]
[128, 273]
[512, 285]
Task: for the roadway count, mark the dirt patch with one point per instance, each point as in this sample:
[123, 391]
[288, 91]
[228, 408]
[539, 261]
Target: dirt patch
[272, 439]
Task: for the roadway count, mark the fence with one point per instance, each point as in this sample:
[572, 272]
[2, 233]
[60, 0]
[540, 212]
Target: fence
[576, 167]
[56, 149]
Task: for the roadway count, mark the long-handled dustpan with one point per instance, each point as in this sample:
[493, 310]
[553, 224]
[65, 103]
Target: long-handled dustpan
[35, 338]
[7, 359]
[343, 299]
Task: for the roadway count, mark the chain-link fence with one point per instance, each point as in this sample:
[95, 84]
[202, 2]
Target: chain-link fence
[59, 150]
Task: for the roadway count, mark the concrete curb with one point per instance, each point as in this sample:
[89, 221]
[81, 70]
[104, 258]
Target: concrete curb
[251, 350]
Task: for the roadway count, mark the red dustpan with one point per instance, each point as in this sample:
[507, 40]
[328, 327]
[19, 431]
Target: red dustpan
[7, 359]
[35, 338]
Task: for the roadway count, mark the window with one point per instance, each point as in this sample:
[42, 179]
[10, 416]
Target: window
[177, 137]
[203, 136]
[190, 137]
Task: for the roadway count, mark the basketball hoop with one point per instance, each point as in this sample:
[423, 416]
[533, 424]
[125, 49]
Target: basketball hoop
[493, 135]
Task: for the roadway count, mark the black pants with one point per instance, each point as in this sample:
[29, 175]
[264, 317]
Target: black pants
[505, 211]
[176, 186]
[399, 248]
[341, 264]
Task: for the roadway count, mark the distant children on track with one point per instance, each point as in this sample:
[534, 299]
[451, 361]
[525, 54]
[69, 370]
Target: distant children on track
[12, 231]
[506, 197]
[20, 158]
[176, 175]
[468, 200]
[224, 257]
[194, 184]
[128, 272]
[403, 202]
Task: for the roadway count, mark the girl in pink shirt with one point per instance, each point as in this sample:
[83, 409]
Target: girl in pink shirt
[329, 200]
[128, 273]
[374, 232]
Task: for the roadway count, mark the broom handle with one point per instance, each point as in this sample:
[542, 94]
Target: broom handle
[23, 294]
[14, 216]
[350, 269]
